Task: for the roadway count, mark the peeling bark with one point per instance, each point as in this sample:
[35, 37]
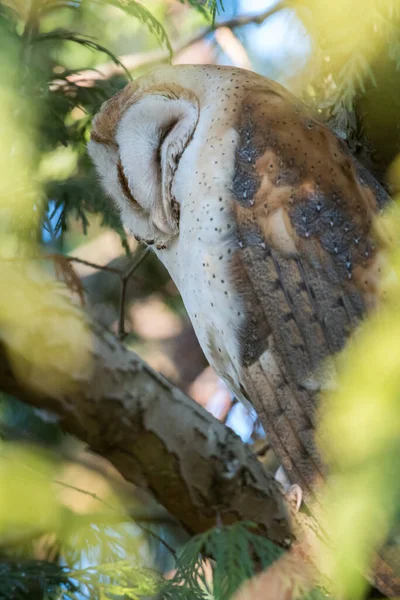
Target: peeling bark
[156, 436]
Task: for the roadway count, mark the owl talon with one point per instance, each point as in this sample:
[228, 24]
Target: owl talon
[295, 497]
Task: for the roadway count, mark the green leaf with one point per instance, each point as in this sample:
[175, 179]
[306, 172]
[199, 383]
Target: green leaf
[135, 9]
[61, 35]
[209, 8]
[120, 578]
[234, 551]
[215, 7]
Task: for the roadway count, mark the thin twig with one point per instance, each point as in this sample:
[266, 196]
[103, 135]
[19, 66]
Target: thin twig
[30, 29]
[124, 276]
[159, 539]
[139, 521]
[124, 283]
[147, 59]
[121, 514]
[240, 21]
[87, 493]
[155, 516]
[90, 264]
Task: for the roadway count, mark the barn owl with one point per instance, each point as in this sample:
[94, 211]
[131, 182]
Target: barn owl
[263, 220]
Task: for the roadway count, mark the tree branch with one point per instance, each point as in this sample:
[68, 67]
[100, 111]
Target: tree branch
[147, 59]
[156, 437]
[241, 21]
[124, 283]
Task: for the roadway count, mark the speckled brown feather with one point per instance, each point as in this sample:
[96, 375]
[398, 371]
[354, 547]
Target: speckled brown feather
[303, 211]
[275, 257]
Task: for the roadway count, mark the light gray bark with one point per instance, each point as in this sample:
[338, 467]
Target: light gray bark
[156, 436]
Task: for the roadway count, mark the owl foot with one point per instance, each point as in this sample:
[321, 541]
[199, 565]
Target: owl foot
[295, 497]
[293, 493]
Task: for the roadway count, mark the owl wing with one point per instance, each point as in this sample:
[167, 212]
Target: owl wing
[307, 265]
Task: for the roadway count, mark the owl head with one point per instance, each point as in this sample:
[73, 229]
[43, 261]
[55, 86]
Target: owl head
[141, 134]
[136, 144]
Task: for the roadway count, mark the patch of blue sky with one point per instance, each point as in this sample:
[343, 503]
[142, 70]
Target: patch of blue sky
[242, 421]
[51, 219]
[278, 48]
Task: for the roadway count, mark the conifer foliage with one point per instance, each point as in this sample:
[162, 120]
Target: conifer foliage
[347, 79]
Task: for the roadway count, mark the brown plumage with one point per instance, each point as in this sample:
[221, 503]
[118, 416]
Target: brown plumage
[275, 257]
[304, 211]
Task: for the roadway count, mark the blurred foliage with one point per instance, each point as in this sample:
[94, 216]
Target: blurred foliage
[363, 494]
[106, 582]
[107, 538]
[354, 73]
[233, 561]
[103, 538]
[353, 81]
[238, 552]
[48, 197]
[21, 206]
[48, 185]
[35, 44]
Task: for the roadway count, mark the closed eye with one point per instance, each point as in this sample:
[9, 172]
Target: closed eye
[163, 136]
[123, 182]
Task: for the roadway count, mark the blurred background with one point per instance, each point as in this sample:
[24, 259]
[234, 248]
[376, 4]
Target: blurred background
[59, 61]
